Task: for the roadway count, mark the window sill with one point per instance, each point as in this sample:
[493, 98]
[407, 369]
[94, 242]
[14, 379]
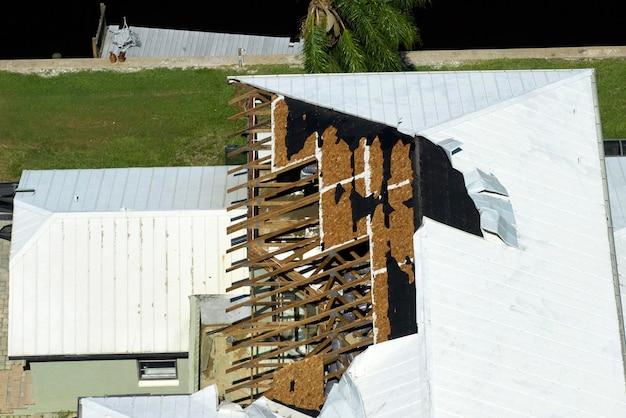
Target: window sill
[158, 383]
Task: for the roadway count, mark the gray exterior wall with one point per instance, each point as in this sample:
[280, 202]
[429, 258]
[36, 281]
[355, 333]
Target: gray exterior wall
[57, 385]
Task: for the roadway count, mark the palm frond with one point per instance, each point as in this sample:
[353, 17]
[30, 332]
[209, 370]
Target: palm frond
[315, 48]
[361, 35]
[398, 27]
[409, 4]
[351, 55]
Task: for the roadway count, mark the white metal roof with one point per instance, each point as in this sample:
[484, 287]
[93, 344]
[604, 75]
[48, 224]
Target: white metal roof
[132, 189]
[157, 42]
[202, 404]
[521, 331]
[533, 330]
[110, 272]
[144, 189]
[386, 380]
[410, 101]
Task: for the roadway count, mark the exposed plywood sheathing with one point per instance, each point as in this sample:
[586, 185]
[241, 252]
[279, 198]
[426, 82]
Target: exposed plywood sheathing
[337, 209]
[282, 153]
[334, 207]
[305, 302]
[300, 384]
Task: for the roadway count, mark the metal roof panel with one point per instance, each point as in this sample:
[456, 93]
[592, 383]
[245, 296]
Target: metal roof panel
[411, 101]
[156, 42]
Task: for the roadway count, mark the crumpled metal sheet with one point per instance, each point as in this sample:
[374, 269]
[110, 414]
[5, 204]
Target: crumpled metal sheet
[496, 216]
[451, 146]
[478, 181]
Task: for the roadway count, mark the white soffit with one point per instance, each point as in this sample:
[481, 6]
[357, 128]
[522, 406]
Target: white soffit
[409, 101]
[528, 331]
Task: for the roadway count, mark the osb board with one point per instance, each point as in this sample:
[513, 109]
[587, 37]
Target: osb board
[300, 384]
[280, 116]
[380, 306]
[401, 166]
[337, 216]
[375, 164]
[395, 237]
[214, 361]
[391, 240]
[401, 220]
[338, 162]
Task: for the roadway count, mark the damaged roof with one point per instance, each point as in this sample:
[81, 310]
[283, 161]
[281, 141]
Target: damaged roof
[530, 329]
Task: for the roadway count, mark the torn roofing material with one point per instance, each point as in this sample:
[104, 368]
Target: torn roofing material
[478, 181]
[524, 331]
[386, 380]
[410, 101]
[496, 216]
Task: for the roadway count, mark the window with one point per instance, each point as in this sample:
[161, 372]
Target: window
[614, 148]
[157, 369]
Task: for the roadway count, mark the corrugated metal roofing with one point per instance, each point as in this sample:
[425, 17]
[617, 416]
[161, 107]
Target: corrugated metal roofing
[111, 271]
[130, 189]
[202, 404]
[534, 330]
[184, 43]
[410, 101]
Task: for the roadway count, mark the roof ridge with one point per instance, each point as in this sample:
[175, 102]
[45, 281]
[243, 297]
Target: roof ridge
[530, 70]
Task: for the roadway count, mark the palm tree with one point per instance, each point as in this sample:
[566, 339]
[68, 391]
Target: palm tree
[358, 35]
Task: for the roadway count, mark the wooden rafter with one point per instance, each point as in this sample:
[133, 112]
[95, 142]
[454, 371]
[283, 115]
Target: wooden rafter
[304, 300]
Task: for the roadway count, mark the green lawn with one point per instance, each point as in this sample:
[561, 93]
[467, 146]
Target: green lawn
[172, 117]
[110, 119]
